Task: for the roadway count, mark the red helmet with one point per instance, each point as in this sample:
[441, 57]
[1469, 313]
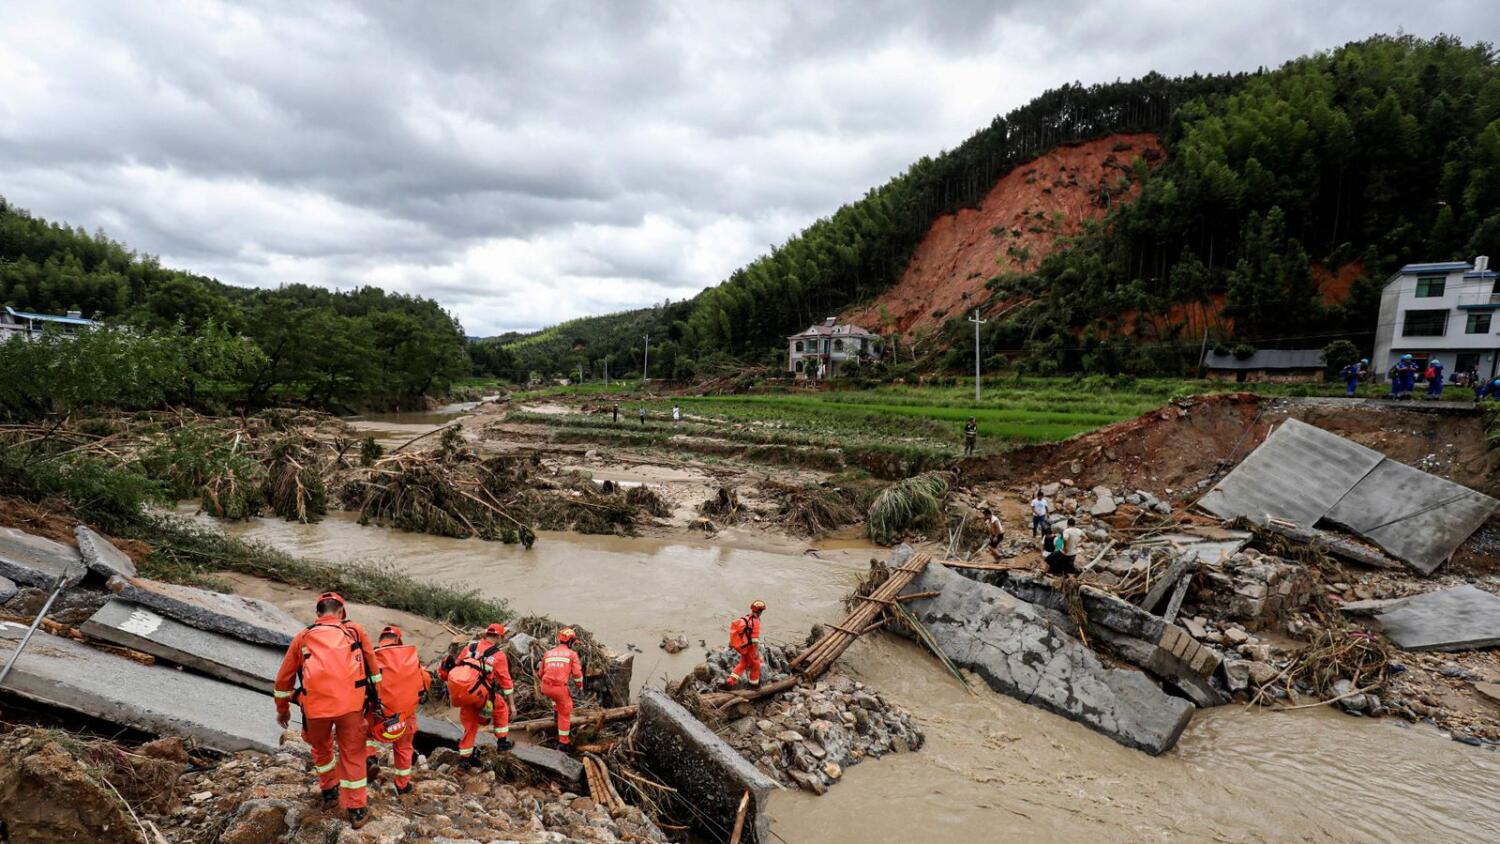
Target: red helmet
[391, 631]
[496, 629]
[388, 731]
[566, 635]
[757, 606]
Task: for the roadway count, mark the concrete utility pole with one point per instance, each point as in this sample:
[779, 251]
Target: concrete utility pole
[646, 363]
[977, 322]
[580, 373]
[606, 370]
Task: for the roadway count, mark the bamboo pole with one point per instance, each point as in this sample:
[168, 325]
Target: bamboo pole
[739, 819]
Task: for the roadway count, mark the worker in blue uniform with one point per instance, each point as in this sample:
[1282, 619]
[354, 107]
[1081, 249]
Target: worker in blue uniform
[1434, 379]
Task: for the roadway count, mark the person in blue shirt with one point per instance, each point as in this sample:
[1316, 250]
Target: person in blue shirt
[1488, 390]
[1403, 377]
[1351, 375]
[1434, 379]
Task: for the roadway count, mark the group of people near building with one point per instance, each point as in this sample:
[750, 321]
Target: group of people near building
[1407, 372]
[357, 697]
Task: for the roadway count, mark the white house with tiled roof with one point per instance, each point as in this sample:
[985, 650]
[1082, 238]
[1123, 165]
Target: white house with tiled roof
[1444, 311]
[819, 351]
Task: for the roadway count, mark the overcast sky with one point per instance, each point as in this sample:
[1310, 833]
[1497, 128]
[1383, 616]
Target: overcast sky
[525, 163]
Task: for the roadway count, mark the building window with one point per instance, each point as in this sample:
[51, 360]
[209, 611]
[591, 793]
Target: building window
[838, 345]
[799, 345]
[1425, 323]
[1431, 286]
[1478, 324]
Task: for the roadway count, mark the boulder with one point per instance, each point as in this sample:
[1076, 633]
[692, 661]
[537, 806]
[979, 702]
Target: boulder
[1018, 651]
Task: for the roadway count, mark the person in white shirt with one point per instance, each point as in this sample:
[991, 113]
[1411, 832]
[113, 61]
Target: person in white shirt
[676, 413]
[996, 530]
[1039, 507]
[1071, 540]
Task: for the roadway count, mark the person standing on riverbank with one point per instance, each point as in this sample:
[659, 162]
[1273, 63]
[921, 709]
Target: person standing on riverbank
[996, 530]
[643, 414]
[403, 687]
[479, 685]
[561, 671]
[744, 637]
[327, 672]
[1039, 505]
[617, 413]
[971, 436]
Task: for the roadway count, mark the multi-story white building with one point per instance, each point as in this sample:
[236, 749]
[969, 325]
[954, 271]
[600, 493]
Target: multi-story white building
[819, 351]
[1444, 311]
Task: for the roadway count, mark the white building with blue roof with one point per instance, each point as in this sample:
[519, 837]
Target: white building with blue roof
[31, 325]
[1444, 311]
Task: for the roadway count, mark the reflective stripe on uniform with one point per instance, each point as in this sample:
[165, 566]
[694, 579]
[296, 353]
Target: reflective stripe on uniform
[374, 678]
[359, 783]
[564, 732]
[323, 769]
[755, 640]
[465, 751]
[372, 743]
[502, 731]
[401, 772]
[556, 660]
[280, 695]
[506, 691]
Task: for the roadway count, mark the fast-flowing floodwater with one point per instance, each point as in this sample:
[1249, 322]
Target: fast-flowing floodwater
[396, 428]
[994, 769]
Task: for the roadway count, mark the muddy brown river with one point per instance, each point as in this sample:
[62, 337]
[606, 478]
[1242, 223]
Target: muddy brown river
[994, 769]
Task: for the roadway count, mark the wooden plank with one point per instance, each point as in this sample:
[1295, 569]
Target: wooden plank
[1174, 571]
[1178, 594]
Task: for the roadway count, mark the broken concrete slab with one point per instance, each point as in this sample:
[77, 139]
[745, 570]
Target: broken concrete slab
[247, 618]
[1298, 474]
[33, 561]
[1302, 474]
[216, 654]
[8, 589]
[685, 754]
[1018, 651]
[1458, 619]
[552, 762]
[1417, 517]
[1488, 691]
[101, 556]
[154, 698]
[1211, 547]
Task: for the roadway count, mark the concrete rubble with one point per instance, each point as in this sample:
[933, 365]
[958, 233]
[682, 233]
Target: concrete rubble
[101, 556]
[1302, 474]
[810, 734]
[217, 654]
[684, 753]
[1462, 618]
[157, 699]
[33, 561]
[8, 589]
[1019, 650]
[246, 618]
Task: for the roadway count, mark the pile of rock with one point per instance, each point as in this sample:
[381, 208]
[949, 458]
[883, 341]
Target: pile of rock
[1256, 588]
[254, 799]
[807, 736]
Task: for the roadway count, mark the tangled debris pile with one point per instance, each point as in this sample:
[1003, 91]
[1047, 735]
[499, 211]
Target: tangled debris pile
[809, 734]
[63, 787]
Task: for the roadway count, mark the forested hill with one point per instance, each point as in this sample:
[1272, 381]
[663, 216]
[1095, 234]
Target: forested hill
[1356, 160]
[352, 349]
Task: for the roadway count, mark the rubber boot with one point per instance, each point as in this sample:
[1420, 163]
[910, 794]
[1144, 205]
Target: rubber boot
[358, 818]
[330, 797]
[504, 743]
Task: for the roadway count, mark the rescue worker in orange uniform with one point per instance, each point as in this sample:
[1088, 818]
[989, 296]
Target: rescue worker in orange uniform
[479, 685]
[560, 668]
[329, 672]
[403, 687]
[744, 637]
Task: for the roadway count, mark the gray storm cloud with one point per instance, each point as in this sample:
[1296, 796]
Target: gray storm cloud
[529, 163]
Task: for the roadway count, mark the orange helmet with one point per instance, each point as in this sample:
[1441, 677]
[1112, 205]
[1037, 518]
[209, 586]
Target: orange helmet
[391, 631]
[388, 731]
[757, 606]
[496, 629]
[566, 635]
[331, 596]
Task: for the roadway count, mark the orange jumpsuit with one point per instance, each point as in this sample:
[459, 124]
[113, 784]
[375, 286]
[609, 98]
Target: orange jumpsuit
[402, 681]
[744, 635]
[560, 666]
[495, 713]
[331, 694]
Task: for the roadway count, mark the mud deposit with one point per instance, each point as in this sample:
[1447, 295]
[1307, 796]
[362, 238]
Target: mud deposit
[993, 768]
